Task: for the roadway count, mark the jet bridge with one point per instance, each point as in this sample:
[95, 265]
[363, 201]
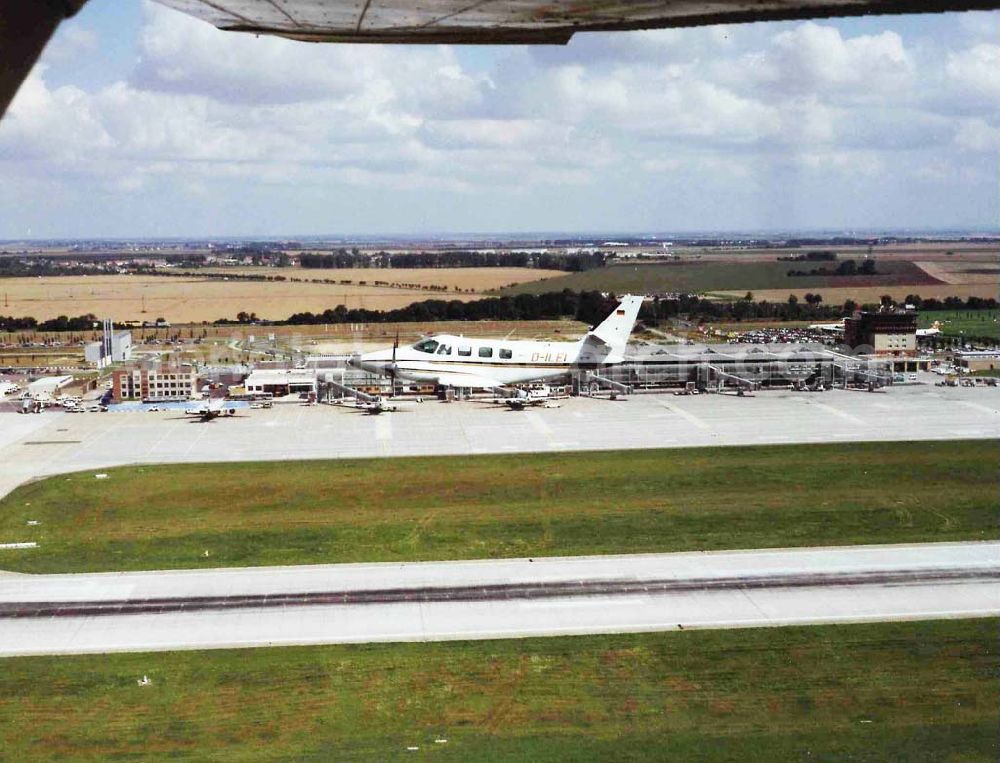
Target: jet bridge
[845, 370]
[590, 384]
[710, 375]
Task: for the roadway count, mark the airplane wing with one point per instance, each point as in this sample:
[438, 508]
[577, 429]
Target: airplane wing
[517, 21]
[457, 379]
[26, 25]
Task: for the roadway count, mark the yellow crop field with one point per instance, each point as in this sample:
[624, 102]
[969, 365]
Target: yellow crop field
[454, 279]
[182, 299]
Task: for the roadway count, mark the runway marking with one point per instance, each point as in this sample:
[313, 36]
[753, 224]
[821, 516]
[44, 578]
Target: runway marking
[383, 434]
[538, 424]
[978, 407]
[595, 589]
[842, 414]
[688, 417]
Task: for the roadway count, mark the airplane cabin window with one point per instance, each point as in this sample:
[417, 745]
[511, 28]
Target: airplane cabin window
[486, 352]
[428, 345]
[444, 349]
[506, 354]
[465, 351]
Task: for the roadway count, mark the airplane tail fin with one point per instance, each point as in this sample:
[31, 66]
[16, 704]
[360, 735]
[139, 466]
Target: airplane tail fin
[614, 331]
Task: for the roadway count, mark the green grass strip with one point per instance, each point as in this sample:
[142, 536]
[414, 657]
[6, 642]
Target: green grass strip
[152, 517]
[894, 691]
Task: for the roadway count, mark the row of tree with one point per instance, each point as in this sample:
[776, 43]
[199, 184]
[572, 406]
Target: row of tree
[62, 323]
[591, 306]
[345, 258]
[586, 306]
[845, 268]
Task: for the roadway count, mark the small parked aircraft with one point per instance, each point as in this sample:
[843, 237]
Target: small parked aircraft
[530, 397]
[212, 409]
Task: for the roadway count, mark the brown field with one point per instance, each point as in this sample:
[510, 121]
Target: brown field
[454, 279]
[963, 272]
[871, 294]
[925, 251]
[191, 300]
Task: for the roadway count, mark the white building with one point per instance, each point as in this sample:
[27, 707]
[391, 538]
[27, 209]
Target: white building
[47, 386]
[281, 381]
[114, 347]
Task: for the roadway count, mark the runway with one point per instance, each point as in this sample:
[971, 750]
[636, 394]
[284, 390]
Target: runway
[200, 609]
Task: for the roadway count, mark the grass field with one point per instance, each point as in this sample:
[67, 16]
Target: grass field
[872, 294]
[967, 322]
[192, 299]
[895, 691]
[150, 517]
[697, 276]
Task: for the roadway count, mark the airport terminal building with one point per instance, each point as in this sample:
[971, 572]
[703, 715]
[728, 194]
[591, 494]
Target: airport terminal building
[281, 381]
[158, 383]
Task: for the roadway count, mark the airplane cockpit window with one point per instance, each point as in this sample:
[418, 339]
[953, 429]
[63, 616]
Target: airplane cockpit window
[506, 354]
[444, 349]
[465, 351]
[486, 352]
[428, 345]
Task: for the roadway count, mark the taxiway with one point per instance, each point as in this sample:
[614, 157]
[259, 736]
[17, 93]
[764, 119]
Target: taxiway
[34, 446]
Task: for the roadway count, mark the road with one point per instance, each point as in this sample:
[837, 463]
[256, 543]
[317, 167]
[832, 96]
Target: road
[429, 601]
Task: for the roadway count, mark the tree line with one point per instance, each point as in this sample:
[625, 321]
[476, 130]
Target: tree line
[592, 306]
[845, 268]
[344, 258]
[62, 323]
[586, 306]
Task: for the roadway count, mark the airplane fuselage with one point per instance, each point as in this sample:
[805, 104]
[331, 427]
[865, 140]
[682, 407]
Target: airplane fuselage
[507, 361]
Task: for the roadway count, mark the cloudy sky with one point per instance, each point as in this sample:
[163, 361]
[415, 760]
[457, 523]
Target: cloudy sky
[141, 121]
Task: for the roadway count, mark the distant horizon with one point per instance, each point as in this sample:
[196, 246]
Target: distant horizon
[575, 237]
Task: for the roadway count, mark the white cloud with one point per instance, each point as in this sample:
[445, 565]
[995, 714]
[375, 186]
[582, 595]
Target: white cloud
[977, 135]
[814, 58]
[976, 71]
[723, 112]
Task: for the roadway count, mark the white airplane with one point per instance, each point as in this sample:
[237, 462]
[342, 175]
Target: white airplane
[524, 398]
[375, 404]
[467, 362]
[211, 409]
